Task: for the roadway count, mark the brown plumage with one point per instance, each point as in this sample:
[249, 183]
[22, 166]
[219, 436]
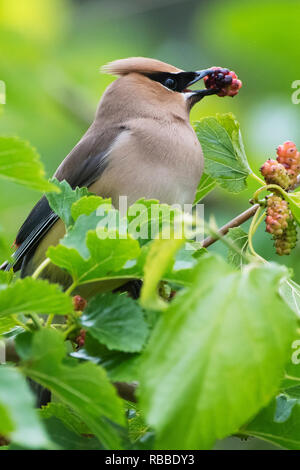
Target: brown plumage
[141, 144]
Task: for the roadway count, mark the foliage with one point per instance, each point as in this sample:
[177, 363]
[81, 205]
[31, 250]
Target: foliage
[208, 342]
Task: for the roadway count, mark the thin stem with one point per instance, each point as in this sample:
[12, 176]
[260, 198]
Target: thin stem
[36, 320]
[236, 222]
[19, 323]
[257, 178]
[261, 218]
[69, 330]
[253, 227]
[217, 235]
[268, 187]
[49, 320]
[40, 268]
[71, 288]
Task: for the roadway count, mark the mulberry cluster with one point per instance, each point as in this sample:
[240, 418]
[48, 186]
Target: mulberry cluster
[289, 157]
[275, 173]
[288, 240]
[280, 223]
[285, 169]
[225, 80]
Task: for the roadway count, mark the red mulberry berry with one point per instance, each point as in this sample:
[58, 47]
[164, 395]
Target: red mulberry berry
[275, 173]
[79, 303]
[289, 157]
[80, 338]
[277, 215]
[224, 80]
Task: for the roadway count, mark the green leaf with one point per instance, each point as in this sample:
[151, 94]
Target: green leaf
[107, 257]
[69, 440]
[88, 204]
[206, 185]
[19, 162]
[6, 324]
[116, 321]
[221, 348]
[224, 154]
[84, 387]
[5, 278]
[147, 218]
[278, 423]
[181, 272]
[290, 293]
[294, 203]
[240, 238]
[18, 418]
[33, 296]
[61, 202]
[65, 414]
[160, 259]
[120, 366]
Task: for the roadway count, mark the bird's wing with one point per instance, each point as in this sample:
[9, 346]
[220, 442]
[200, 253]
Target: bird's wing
[84, 165]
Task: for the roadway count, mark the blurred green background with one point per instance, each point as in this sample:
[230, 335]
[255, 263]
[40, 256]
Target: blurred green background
[50, 55]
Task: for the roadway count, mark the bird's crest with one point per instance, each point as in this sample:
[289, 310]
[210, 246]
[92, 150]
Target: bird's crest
[138, 65]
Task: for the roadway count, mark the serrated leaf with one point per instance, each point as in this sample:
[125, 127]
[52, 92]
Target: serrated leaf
[224, 155]
[147, 218]
[65, 439]
[278, 423]
[18, 418]
[240, 238]
[107, 256]
[221, 347]
[88, 204]
[206, 185]
[120, 366]
[62, 201]
[20, 163]
[84, 387]
[116, 321]
[65, 414]
[33, 296]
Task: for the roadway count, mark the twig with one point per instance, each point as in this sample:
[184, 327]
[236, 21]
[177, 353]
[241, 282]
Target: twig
[236, 222]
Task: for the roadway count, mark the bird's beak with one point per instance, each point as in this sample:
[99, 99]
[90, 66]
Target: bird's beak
[193, 96]
[199, 74]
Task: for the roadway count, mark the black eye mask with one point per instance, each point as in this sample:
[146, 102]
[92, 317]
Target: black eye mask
[174, 81]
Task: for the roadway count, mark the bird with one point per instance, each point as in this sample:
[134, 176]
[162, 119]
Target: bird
[141, 144]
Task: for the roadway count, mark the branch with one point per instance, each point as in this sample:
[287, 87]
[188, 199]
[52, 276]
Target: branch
[236, 222]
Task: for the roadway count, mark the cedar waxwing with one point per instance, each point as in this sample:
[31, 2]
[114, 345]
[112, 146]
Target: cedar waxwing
[141, 144]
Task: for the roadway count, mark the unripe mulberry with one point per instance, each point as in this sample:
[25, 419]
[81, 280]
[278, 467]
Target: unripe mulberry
[289, 157]
[79, 303]
[288, 240]
[275, 173]
[277, 215]
[224, 80]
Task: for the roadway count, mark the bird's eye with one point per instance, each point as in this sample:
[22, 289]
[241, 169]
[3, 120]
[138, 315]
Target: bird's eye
[170, 83]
